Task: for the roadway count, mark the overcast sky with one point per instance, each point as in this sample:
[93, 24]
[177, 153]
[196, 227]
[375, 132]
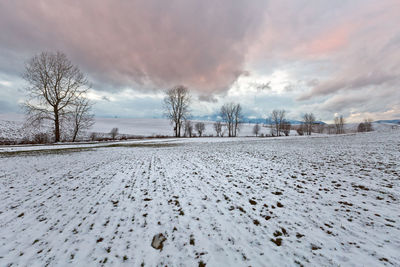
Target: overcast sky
[327, 57]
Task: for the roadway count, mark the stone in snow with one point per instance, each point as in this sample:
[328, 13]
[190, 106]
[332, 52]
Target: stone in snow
[158, 241]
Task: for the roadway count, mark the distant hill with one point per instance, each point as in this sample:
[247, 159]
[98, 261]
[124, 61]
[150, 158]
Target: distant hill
[388, 121]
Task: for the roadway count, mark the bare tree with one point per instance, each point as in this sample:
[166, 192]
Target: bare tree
[218, 128]
[237, 118]
[256, 129]
[81, 117]
[200, 127]
[232, 115]
[227, 116]
[308, 122]
[277, 118]
[361, 128]
[339, 124]
[286, 126]
[176, 107]
[188, 128]
[365, 126]
[114, 133]
[368, 125]
[55, 85]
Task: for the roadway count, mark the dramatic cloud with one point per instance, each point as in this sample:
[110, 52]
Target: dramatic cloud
[308, 55]
[201, 44]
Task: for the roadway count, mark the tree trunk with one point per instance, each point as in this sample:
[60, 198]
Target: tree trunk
[75, 134]
[56, 126]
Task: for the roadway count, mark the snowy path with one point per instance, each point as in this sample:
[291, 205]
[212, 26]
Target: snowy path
[258, 202]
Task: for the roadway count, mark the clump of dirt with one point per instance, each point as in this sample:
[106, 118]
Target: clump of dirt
[191, 241]
[277, 233]
[241, 209]
[252, 202]
[277, 241]
[298, 235]
[315, 247]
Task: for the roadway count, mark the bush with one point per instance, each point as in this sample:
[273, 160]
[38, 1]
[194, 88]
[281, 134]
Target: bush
[300, 131]
[361, 128]
[7, 142]
[93, 136]
[41, 138]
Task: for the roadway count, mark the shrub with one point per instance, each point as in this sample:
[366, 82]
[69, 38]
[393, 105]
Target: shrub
[300, 131]
[41, 138]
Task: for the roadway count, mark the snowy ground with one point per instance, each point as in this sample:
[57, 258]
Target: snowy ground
[260, 202]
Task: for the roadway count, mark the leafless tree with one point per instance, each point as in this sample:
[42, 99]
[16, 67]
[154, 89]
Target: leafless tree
[227, 116]
[218, 128]
[286, 126]
[237, 118]
[188, 128]
[200, 128]
[256, 129]
[54, 86]
[308, 122]
[114, 133]
[231, 114]
[277, 118]
[81, 117]
[339, 124]
[361, 127]
[365, 126]
[176, 107]
[368, 125]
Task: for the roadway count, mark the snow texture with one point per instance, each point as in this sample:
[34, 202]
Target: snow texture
[12, 127]
[219, 201]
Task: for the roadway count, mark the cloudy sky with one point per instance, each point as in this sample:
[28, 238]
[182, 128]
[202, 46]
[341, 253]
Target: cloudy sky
[327, 57]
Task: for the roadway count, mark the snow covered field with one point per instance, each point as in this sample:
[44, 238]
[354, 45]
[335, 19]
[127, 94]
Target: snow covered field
[12, 127]
[261, 202]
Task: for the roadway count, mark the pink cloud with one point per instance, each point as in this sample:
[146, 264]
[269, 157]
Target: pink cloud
[201, 44]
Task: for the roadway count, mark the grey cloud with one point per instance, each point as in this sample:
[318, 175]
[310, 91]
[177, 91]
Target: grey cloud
[141, 44]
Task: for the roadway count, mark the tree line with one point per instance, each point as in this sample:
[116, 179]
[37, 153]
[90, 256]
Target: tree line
[57, 92]
[177, 110]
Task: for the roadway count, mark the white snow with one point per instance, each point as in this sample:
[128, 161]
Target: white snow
[333, 200]
[12, 127]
